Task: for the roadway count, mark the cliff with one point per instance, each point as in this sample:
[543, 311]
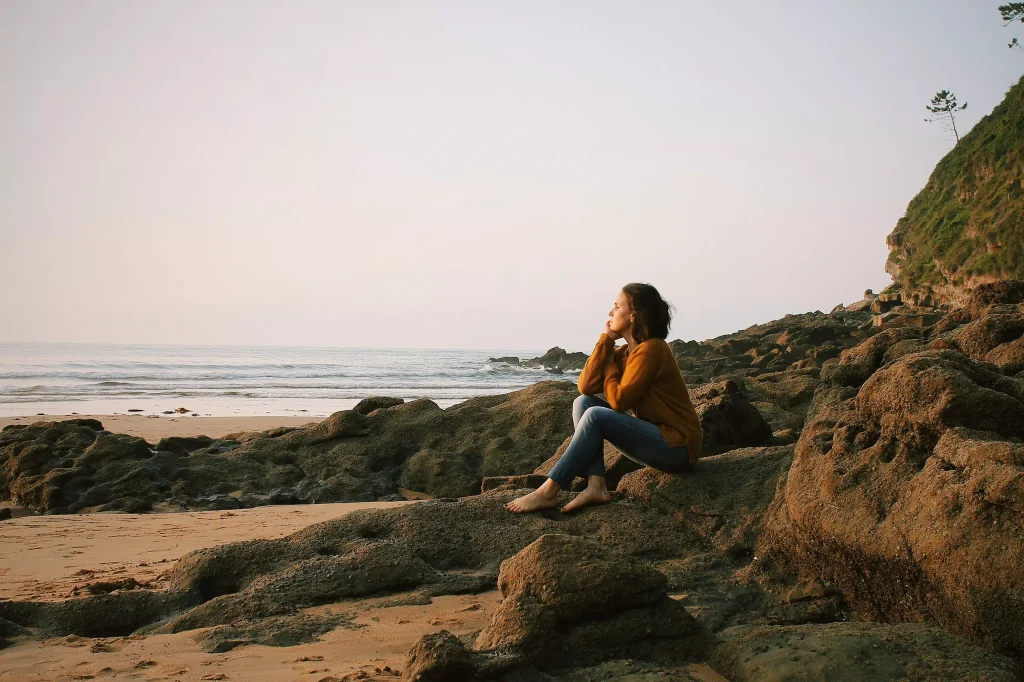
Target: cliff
[966, 226]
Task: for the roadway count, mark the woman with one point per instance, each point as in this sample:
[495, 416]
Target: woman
[642, 375]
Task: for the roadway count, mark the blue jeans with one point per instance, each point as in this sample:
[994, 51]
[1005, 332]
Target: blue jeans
[639, 440]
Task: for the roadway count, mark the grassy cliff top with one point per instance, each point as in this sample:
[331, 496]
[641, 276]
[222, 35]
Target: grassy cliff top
[967, 224]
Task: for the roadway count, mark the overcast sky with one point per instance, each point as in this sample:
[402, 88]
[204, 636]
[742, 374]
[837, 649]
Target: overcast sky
[462, 174]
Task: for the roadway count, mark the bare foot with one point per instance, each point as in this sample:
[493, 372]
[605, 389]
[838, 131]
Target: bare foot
[588, 497]
[535, 501]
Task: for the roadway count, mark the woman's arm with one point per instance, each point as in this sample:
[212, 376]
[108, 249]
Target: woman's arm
[591, 378]
[624, 392]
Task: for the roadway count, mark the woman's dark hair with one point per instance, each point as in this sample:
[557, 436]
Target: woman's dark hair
[653, 314]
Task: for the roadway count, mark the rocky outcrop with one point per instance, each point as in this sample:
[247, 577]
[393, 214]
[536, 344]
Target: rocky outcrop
[62, 467]
[906, 487]
[854, 652]
[724, 499]
[555, 360]
[567, 603]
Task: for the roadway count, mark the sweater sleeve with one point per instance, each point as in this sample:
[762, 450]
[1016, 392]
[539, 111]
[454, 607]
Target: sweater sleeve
[624, 392]
[592, 377]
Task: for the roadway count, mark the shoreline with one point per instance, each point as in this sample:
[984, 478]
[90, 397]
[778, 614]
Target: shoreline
[154, 427]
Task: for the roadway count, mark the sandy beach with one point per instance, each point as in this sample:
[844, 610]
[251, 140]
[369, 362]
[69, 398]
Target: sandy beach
[153, 428]
[58, 554]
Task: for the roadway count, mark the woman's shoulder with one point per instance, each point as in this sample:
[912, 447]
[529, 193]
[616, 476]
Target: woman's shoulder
[656, 344]
[654, 348]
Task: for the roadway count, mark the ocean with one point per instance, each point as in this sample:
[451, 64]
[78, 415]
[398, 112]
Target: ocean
[242, 381]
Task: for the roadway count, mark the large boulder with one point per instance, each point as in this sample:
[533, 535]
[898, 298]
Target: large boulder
[727, 418]
[569, 601]
[907, 493]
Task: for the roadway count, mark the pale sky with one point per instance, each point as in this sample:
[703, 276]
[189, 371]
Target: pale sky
[462, 174]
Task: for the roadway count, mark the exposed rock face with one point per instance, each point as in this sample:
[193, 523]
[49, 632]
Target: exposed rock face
[854, 652]
[67, 466]
[907, 491]
[965, 227]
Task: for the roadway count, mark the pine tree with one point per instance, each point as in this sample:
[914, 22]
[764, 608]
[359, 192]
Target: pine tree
[945, 106]
[1010, 13]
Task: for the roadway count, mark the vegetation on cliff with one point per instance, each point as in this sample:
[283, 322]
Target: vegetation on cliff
[967, 225]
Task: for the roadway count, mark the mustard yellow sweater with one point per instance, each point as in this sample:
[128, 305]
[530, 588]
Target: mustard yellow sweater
[648, 383]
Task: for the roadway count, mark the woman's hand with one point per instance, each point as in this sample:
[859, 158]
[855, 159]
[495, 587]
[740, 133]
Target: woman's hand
[614, 336]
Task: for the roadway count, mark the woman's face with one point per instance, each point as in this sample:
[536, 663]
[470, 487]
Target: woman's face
[620, 314]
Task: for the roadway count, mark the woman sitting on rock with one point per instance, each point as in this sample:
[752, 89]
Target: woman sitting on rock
[642, 376]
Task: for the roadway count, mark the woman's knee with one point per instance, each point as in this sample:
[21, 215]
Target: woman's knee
[595, 414]
[581, 404]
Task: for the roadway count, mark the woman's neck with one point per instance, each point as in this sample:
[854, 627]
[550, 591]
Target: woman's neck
[630, 341]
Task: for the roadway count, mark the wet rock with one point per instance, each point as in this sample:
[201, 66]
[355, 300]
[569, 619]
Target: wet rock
[854, 652]
[368, 405]
[556, 358]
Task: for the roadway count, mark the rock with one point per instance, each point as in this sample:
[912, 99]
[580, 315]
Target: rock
[557, 358]
[856, 364]
[569, 602]
[440, 474]
[728, 419]
[67, 466]
[439, 657]
[506, 359]
[854, 652]
[368, 405]
[286, 630]
[182, 410]
[183, 445]
[907, 494]
[725, 498]
[512, 482]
